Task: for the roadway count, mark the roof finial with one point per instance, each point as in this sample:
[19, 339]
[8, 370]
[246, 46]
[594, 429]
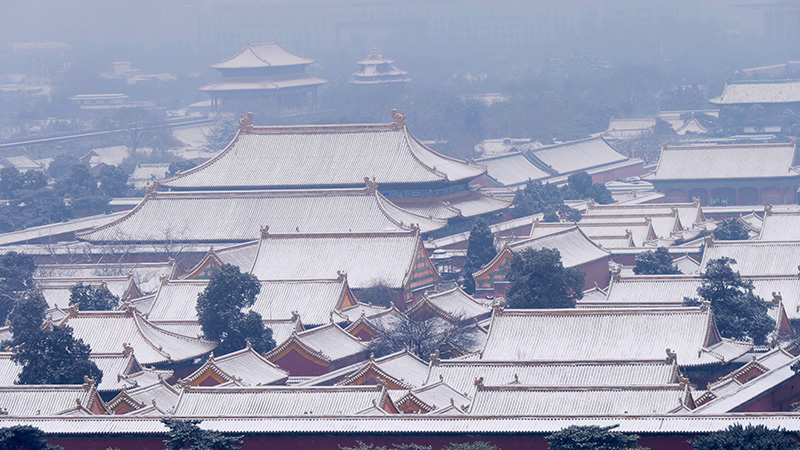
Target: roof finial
[777, 298]
[616, 272]
[767, 210]
[709, 240]
[246, 122]
[341, 275]
[372, 186]
[435, 358]
[479, 382]
[696, 200]
[672, 357]
[398, 119]
[264, 231]
[151, 188]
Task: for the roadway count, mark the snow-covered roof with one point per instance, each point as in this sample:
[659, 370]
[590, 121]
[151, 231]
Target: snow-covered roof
[146, 275]
[452, 304]
[44, 400]
[56, 291]
[638, 231]
[759, 91]
[465, 204]
[621, 400]
[755, 258]
[780, 227]
[512, 169]
[109, 332]
[238, 216]
[277, 401]
[609, 335]
[9, 370]
[702, 162]
[461, 375]
[577, 155]
[262, 83]
[433, 397]
[688, 214]
[367, 259]
[402, 368]
[313, 300]
[246, 367]
[269, 54]
[57, 231]
[328, 342]
[325, 156]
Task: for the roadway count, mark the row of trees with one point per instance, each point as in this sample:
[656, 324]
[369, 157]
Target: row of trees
[549, 199]
[187, 435]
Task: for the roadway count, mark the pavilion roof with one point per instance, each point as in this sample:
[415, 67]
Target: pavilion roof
[238, 216]
[366, 258]
[759, 91]
[568, 401]
[269, 54]
[461, 374]
[324, 156]
[313, 300]
[269, 401]
[109, 332]
[609, 335]
[703, 162]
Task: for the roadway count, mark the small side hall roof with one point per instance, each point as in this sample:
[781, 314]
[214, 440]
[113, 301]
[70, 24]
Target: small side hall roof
[243, 368]
[328, 156]
[49, 400]
[269, 54]
[726, 162]
[756, 258]
[778, 226]
[747, 92]
[146, 275]
[327, 344]
[565, 335]
[239, 215]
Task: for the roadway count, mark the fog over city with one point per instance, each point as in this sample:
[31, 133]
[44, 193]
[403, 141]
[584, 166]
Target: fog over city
[407, 224]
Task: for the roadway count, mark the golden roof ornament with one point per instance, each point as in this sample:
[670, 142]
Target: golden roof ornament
[246, 122]
[398, 119]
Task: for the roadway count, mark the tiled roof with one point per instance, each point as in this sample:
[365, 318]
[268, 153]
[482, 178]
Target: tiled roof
[760, 91]
[638, 231]
[780, 227]
[238, 216]
[328, 342]
[43, 400]
[146, 275]
[277, 401]
[434, 397]
[106, 332]
[269, 54]
[56, 291]
[50, 232]
[9, 370]
[756, 257]
[461, 375]
[324, 155]
[465, 204]
[535, 401]
[262, 83]
[703, 162]
[115, 368]
[577, 155]
[367, 259]
[403, 368]
[566, 335]
[688, 214]
[513, 169]
[453, 304]
[245, 366]
[159, 394]
[313, 300]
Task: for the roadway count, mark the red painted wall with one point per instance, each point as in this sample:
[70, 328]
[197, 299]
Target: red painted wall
[596, 272]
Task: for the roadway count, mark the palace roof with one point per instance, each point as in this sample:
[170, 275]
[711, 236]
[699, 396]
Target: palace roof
[278, 401]
[313, 300]
[464, 204]
[56, 291]
[328, 343]
[433, 397]
[261, 83]
[367, 259]
[566, 335]
[688, 214]
[749, 382]
[703, 162]
[453, 305]
[513, 169]
[759, 91]
[110, 332]
[46, 400]
[9, 370]
[780, 227]
[324, 156]
[56, 231]
[159, 394]
[633, 233]
[622, 400]
[244, 367]
[755, 258]
[118, 367]
[403, 369]
[238, 216]
[574, 246]
[262, 55]
[461, 375]
[147, 276]
[577, 155]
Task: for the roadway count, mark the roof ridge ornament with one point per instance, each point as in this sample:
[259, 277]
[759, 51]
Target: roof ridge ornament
[709, 240]
[768, 210]
[672, 357]
[399, 120]
[264, 231]
[151, 189]
[246, 122]
[372, 185]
